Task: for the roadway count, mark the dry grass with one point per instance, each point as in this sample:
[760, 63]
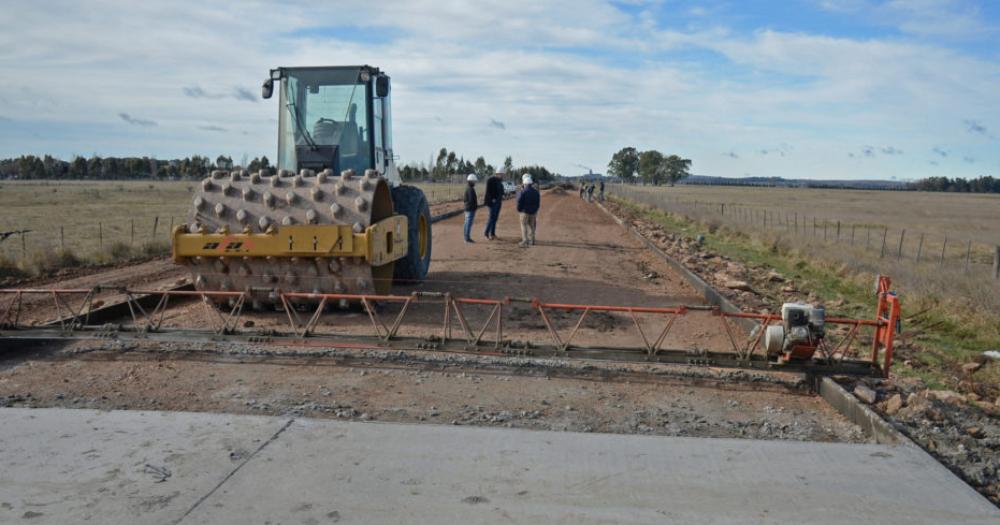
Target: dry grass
[438, 192]
[962, 216]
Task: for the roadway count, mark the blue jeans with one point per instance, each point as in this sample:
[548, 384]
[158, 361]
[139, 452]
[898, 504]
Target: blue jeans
[491, 222]
[469, 215]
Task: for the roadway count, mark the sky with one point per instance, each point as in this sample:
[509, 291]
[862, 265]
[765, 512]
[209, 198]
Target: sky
[821, 89]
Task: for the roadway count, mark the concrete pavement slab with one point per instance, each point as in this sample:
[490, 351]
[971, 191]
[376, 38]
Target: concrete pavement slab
[83, 466]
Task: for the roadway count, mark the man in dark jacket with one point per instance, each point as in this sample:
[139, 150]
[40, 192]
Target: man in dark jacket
[528, 203]
[471, 203]
[493, 199]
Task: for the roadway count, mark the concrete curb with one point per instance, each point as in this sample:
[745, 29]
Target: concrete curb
[860, 414]
[446, 215]
[710, 294]
[834, 394]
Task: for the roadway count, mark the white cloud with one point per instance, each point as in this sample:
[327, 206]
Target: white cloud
[571, 81]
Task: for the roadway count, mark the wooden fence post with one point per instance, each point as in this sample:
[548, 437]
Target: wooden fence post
[24, 246]
[62, 239]
[132, 237]
[885, 234]
[171, 230]
[853, 226]
[838, 231]
[943, 248]
[968, 256]
[996, 262]
[920, 247]
[899, 251]
[156, 222]
[100, 237]
[824, 230]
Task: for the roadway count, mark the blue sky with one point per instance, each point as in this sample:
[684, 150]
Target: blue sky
[797, 88]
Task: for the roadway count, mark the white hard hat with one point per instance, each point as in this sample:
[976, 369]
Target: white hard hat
[526, 179]
[472, 178]
[501, 170]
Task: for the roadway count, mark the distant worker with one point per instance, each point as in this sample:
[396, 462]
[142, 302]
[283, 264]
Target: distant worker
[471, 203]
[493, 200]
[583, 188]
[601, 195]
[590, 193]
[527, 206]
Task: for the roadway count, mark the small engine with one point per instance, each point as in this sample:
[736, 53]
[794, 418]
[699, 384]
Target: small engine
[799, 333]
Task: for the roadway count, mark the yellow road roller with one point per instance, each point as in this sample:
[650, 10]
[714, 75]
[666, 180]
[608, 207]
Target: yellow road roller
[334, 217]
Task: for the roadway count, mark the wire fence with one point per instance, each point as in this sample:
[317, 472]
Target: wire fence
[881, 247]
[89, 241]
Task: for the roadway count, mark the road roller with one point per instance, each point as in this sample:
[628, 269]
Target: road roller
[334, 217]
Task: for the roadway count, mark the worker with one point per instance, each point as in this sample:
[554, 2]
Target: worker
[590, 192]
[527, 206]
[583, 188]
[471, 203]
[600, 196]
[493, 200]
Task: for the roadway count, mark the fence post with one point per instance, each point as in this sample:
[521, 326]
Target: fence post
[899, 251]
[920, 247]
[943, 248]
[131, 240]
[62, 239]
[968, 256]
[796, 223]
[171, 230]
[100, 237]
[882, 251]
[868, 237]
[824, 230]
[838, 231]
[156, 222]
[24, 246]
[996, 262]
[853, 226]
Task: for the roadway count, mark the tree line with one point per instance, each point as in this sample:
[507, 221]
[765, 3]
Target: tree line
[983, 184]
[650, 166]
[30, 167]
[447, 164]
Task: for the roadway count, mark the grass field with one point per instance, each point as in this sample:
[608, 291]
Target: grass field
[76, 222]
[962, 216]
[949, 316]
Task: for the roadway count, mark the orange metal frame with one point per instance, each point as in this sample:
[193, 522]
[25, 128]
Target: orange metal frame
[885, 324]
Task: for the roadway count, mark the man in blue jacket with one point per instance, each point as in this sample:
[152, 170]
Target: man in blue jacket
[527, 206]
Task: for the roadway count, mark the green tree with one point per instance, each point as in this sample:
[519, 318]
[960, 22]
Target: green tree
[624, 164]
[649, 166]
[508, 165]
[78, 168]
[676, 168]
